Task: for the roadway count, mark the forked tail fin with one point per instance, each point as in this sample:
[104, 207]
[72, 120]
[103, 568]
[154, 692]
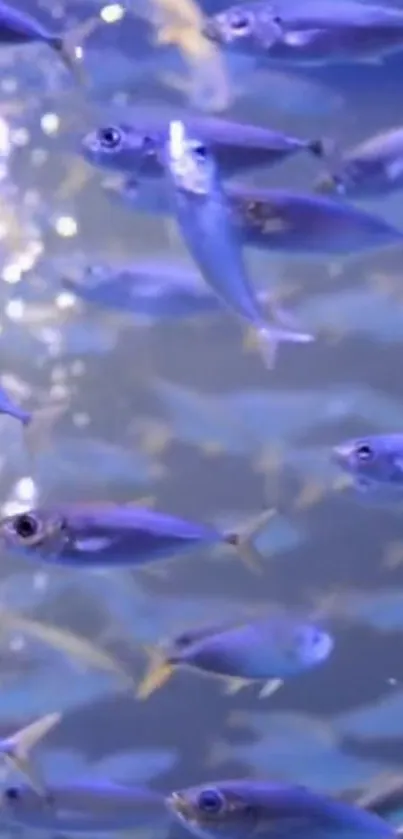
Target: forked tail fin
[68, 44]
[243, 540]
[270, 337]
[15, 750]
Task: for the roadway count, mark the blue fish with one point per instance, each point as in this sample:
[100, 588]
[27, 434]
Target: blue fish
[204, 218]
[18, 27]
[112, 535]
[371, 169]
[309, 33]
[374, 461]
[137, 147]
[238, 809]
[280, 220]
[84, 806]
[270, 649]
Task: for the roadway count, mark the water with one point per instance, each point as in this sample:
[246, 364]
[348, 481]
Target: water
[182, 415]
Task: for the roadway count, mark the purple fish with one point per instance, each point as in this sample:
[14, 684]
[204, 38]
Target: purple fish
[374, 461]
[241, 809]
[371, 169]
[137, 147]
[111, 535]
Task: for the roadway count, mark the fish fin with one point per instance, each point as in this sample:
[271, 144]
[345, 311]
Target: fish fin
[269, 338]
[234, 685]
[380, 794]
[16, 749]
[158, 673]
[243, 540]
[67, 45]
[323, 148]
[270, 687]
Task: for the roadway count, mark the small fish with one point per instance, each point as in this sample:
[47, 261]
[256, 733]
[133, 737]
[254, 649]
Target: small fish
[137, 148]
[371, 169]
[79, 806]
[18, 27]
[310, 33]
[374, 461]
[112, 535]
[239, 809]
[281, 220]
[9, 407]
[15, 749]
[204, 219]
[267, 650]
[151, 291]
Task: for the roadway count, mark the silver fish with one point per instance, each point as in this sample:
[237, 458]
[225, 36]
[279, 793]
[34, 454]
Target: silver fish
[375, 460]
[320, 32]
[239, 809]
[204, 219]
[371, 169]
[112, 535]
[270, 649]
[77, 807]
[137, 147]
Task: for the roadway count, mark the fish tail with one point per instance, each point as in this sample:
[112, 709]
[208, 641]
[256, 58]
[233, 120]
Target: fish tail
[322, 148]
[244, 539]
[16, 749]
[269, 338]
[159, 671]
[67, 46]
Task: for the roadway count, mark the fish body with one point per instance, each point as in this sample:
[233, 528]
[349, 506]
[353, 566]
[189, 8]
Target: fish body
[283, 221]
[371, 169]
[137, 148]
[373, 461]
[310, 33]
[204, 218]
[151, 291]
[97, 806]
[109, 535]
[296, 222]
[274, 648]
[239, 809]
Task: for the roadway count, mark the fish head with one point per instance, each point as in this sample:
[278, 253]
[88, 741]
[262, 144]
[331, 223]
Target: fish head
[190, 163]
[328, 184]
[377, 458]
[21, 802]
[216, 811]
[34, 532]
[245, 27]
[123, 148]
[313, 645]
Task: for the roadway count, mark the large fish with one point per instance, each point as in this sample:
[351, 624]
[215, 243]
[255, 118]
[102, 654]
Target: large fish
[320, 32]
[137, 147]
[80, 806]
[282, 220]
[371, 169]
[112, 535]
[268, 650]
[239, 809]
[206, 223]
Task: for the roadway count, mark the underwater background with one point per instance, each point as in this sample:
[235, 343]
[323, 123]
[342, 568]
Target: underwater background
[183, 415]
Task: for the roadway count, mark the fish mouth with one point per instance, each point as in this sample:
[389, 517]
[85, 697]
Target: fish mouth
[180, 806]
[211, 31]
[341, 454]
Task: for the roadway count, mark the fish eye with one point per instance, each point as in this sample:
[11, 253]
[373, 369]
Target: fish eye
[211, 801]
[12, 793]
[26, 526]
[364, 452]
[110, 137]
[240, 22]
[200, 151]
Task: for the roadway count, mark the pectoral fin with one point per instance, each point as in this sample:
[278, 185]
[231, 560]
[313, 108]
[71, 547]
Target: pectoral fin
[158, 673]
[270, 687]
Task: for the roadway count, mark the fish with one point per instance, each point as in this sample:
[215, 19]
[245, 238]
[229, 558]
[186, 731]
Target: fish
[374, 461]
[240, 808]
[112, 535]
[280, 220]
[9, 407]
[136, 147]
[18, 27]
[204, 219]
[83, 805]
[15, 750]
[269, 650]
[313, 33]
[369, 170]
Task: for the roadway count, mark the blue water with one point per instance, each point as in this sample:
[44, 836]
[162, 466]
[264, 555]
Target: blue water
[182, 415]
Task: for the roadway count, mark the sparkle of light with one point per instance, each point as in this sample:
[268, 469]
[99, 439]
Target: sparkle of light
[25, 489]
[11, 273]
[66, 226]
[50, 123]
[14, 309]
[112, 13]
